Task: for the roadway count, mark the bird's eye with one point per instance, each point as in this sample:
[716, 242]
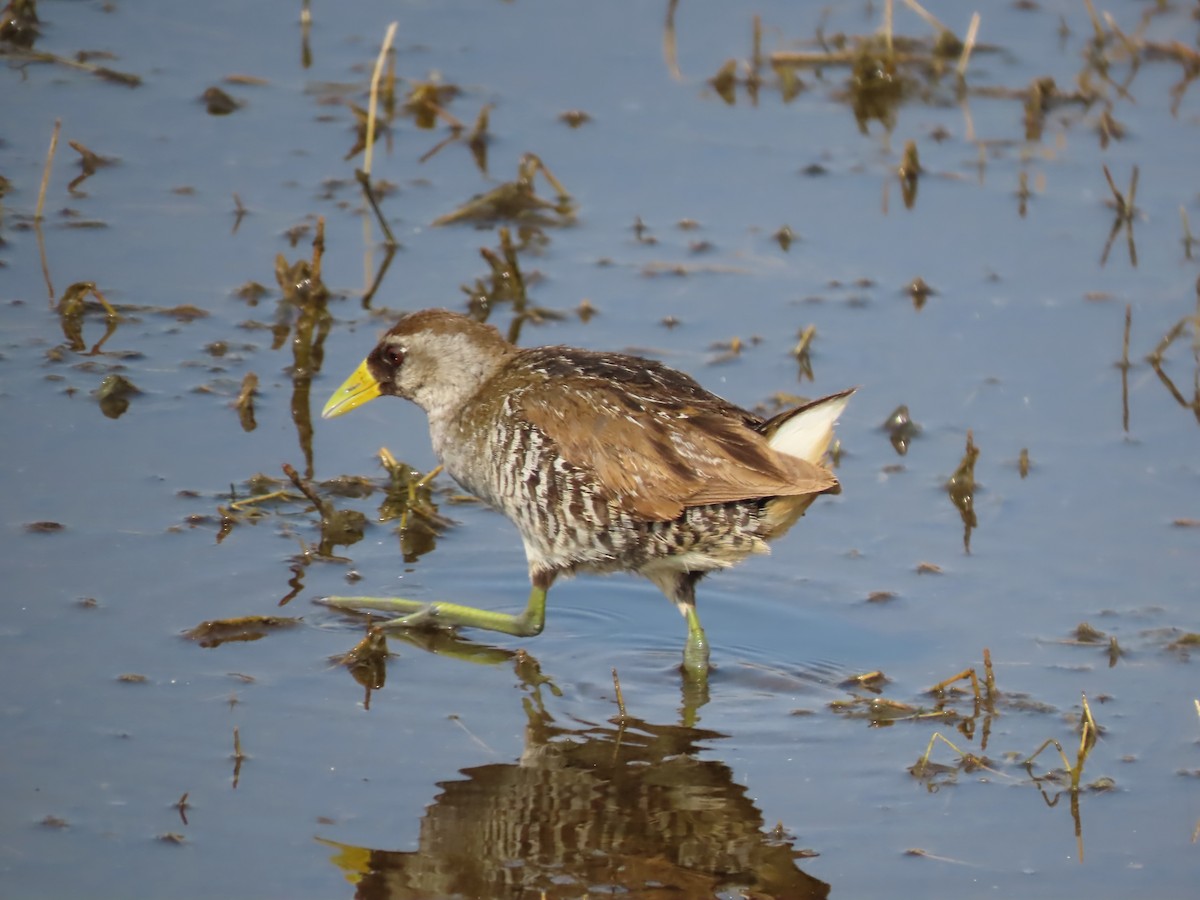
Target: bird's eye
[393, 355]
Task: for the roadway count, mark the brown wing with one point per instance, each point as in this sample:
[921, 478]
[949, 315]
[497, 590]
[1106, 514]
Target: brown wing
[656, 441]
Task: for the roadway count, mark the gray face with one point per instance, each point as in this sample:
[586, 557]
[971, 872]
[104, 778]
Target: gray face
[437, 359]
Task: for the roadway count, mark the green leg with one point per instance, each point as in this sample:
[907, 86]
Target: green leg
[695, 652]
[416, 614]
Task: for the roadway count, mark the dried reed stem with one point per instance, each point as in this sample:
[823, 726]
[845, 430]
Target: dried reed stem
[388, 37]
[968, 45]
[37, 215]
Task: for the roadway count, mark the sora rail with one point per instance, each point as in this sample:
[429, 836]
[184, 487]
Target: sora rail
[605, 462]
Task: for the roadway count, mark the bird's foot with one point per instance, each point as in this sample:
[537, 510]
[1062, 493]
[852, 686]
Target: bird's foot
[415, 614]
[408, 613]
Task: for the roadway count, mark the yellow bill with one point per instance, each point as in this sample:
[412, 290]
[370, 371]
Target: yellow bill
[359, 388]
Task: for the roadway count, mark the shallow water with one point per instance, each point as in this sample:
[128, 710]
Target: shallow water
[466, 774]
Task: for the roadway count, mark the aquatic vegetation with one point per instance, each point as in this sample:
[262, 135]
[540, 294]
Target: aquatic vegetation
[517, 201]
[961, 487]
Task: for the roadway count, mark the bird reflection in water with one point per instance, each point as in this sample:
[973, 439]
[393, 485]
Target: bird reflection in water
[625, 806]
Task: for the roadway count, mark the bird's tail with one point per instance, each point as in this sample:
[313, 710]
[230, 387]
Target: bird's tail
[806, 432]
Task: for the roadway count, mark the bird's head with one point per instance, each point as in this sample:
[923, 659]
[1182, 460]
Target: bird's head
[436, 358]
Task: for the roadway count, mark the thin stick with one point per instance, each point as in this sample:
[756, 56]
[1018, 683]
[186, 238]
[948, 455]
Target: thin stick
[389, 253]
[1038, 752]
[110, 312]
[430, 475]
[124, 78]
[41, 242]
[305, 31]
[37, 215]
[966, 758]
[365, 180]
[620, 696]
[621, 719]
[375, 76]
[1124, 366]
[989, 676]
[1155, 358]
[238, 757]
[182, 806]
[318, 250]
[260, 498]
[964, 675]
[1125, 340]
[1090, 731]
[756, 57]
[833, 57]
[1096, 26]
[887, 26]
[670, 50]
[239, 212]
[968, 45]
[1130, 46]
[306, 489]
[1118, 198]
[364, 174]
[970, 133]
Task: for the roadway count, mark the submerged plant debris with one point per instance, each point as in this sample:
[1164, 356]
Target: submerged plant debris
[219, 103]
[114, 395]
[243, 628]
[367, 663]
[89, 163]
[961, 487]
[517, 201]
[901, 429]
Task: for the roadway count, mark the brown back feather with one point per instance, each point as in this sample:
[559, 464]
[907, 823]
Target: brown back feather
[656, 441]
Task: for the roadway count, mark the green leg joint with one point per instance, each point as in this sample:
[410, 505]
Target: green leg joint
[695, 652]
[416, 614]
